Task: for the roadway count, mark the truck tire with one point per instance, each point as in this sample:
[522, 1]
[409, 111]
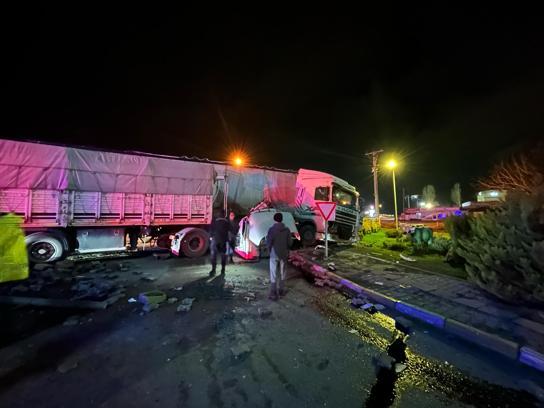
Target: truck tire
[345, 232]
[307, 234]
[195, 243]
[43, 247]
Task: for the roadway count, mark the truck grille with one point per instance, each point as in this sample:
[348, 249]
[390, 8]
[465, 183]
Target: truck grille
[346, 216]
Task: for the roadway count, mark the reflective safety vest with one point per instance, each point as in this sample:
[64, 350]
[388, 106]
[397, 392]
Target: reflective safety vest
[13, 255]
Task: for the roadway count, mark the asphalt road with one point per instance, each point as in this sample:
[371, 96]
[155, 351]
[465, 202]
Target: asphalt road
[309, 349]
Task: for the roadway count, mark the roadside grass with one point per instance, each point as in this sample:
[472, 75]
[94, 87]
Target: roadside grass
[381, 244]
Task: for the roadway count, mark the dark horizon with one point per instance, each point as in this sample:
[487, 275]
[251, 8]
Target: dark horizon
[451, 93]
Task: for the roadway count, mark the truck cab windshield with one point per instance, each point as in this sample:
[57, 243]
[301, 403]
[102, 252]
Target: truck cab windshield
[343, 197]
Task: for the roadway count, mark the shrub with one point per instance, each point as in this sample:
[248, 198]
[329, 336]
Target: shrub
[503, 249]
[393, 233]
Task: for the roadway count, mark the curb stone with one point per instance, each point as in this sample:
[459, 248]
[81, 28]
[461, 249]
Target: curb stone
[507, 348]
[491, 341]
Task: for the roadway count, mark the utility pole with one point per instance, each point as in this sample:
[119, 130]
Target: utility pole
[374, 155]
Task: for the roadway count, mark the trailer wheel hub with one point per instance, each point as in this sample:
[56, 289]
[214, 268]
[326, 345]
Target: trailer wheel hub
[42, 250]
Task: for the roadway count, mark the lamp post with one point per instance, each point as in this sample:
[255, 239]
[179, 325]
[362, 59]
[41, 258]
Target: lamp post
[392, 164]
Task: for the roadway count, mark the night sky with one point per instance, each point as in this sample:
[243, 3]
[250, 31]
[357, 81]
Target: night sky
[451, 91]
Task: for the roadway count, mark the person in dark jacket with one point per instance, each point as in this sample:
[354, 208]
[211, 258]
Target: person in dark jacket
[232, 236]
[219, 232]
[278, 241]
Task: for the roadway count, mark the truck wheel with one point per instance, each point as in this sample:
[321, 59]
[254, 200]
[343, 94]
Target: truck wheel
[307, 234]
[44, 248]
[345, 232]
[195, 243]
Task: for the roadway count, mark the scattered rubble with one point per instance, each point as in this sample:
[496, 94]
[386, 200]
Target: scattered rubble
[379, 283]
[319, 282]
[172, 300]
[67, 365]
[399, 367]
[186, 305]
[148, 278]
[379, 306]
[406, 258]
[369, 307]
[353, 331]
[72, 321]
[357, 301]
[151, 300]
[264, 313]
[331, 266]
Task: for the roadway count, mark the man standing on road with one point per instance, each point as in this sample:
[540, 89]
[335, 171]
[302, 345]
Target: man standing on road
[278, 241]
[219, 230]
[232, 236]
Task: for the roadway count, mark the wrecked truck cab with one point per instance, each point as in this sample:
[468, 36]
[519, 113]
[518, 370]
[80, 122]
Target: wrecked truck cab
[252, 231]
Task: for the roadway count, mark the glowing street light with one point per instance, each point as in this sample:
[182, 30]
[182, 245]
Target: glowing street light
[238, 158]
[391, 165]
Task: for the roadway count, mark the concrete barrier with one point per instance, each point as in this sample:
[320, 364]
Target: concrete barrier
[490, 341]
[431, 318]
[531, 358]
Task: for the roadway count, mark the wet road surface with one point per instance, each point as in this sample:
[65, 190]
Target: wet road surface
[309, 349]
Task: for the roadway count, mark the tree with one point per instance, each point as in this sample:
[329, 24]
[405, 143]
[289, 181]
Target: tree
[503, 248]
[520, 173]
[456, 194]
[429, 194]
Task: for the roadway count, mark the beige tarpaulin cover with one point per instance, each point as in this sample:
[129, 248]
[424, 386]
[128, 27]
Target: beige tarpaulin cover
[50, 167]
[13, 256]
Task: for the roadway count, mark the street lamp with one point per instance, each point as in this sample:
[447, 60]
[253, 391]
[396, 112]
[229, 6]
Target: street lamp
[391, 165]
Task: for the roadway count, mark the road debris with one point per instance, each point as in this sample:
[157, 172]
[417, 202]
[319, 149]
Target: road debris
[378, 283]
[407, 258]
[72, 321]
[132, 300]
[151, 300]
[400, 367]
[67, 365]
[369, 307]
[186, 305]
[264, 313]
[353, 331]
[379, 306]
[172, 300]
